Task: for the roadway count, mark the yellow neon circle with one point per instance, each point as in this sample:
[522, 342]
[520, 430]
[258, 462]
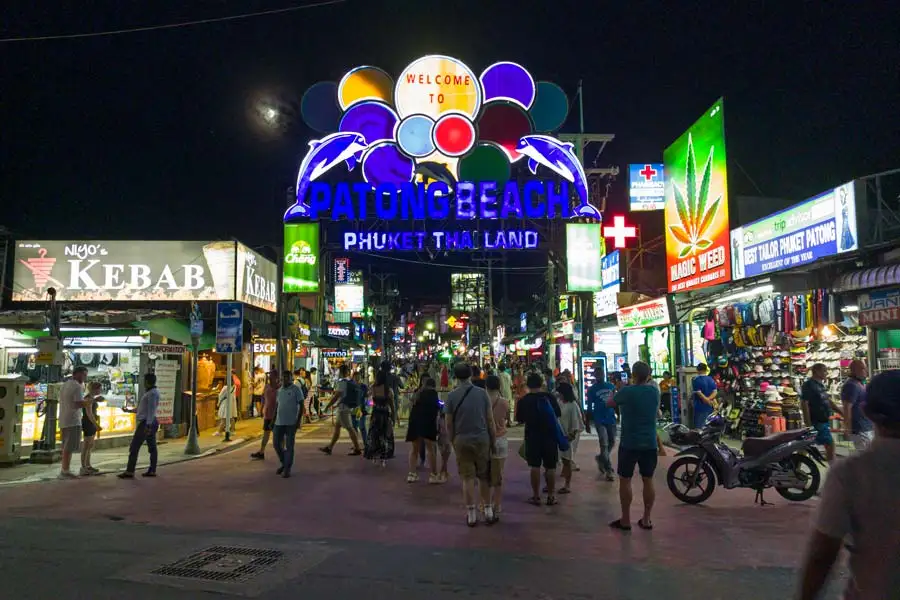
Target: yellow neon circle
[433, 85]
[364, 83]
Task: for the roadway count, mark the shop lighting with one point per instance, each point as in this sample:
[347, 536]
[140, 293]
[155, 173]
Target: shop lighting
[850, 308]
[85, 328]
[763, 289]
[22, 350]
[101, 349]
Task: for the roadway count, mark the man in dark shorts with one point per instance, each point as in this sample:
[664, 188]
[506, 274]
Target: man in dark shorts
[818, 407]
[268, 412]
[638, 405]
[541, 445]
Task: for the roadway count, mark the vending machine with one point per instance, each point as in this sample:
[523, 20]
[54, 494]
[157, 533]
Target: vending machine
[587, 369]
[682, 396]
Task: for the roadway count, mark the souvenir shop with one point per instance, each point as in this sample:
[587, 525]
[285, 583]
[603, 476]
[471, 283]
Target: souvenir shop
[649, 334]
[877, 292]
[760, 343]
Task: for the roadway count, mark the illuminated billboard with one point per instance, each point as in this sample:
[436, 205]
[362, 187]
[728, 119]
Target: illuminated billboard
[301, 257]
[647, 186]
[438, 143]
[349, 298]
[257, 279]
[816, 228]
[467, 291]
[584, 251]
[696, 212]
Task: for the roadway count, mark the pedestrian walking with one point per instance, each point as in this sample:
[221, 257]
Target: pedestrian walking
[572, 424]
[603, 418]
[288, 416]
[500, 410]
[638, 406]
[422, 430]
[817, 408]
[270, 403]
[347, 395]
[381, 430]
[470, 423]
[360, 416]
[541, 443]
[145, 430]
[859, 508]
[506, 392]
[90, 427]
[857, 427]
[71, 402]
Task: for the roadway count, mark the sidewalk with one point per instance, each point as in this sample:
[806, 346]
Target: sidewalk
[112, 460]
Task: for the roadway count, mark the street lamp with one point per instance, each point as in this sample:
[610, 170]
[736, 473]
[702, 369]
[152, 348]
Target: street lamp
[429, 325]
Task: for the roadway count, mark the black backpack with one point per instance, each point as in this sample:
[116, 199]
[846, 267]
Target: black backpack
[353, 394]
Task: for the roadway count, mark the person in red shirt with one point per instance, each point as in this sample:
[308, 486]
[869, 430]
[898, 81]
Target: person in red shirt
[269, 403]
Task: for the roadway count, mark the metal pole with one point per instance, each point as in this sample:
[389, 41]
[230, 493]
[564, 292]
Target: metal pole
[192, 447]
[280, 316]
[490, 308]
[229, 386]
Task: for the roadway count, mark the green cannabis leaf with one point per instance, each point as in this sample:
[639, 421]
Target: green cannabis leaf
[695, 213]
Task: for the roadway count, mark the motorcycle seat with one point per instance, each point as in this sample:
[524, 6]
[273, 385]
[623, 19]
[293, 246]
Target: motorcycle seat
[757, 446]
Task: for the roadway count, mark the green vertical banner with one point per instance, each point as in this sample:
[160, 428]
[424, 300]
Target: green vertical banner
[584, 254]
[301, 257]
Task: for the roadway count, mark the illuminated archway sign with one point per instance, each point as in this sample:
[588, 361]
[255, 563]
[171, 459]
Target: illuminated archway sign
[437, 144]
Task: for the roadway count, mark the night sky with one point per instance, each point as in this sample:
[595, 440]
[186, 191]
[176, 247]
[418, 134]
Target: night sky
[148, 135]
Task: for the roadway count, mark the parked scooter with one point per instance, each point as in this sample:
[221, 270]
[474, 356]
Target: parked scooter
[783, 461]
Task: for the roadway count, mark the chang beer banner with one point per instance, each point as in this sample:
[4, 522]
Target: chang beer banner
[584, 254]
[819, 227]
[90, 270]
[696, 212]
[301, 257]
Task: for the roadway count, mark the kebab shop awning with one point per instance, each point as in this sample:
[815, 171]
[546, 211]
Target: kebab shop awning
[178, 330]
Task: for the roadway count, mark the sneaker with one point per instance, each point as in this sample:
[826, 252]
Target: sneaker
[126, 475]
[325, 450]
[489, 517]
[610, 477]
[258, 456]
[66, 475]
[354, 453]
[94, 471]
[85, 472]
[434, 478]
[148, 474]
[412, 477]
[444, 477]
[471, 517]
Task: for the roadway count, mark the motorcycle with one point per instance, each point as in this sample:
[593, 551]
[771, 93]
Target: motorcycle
[784, 461]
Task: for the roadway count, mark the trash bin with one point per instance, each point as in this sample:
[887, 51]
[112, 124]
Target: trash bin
[12, 397]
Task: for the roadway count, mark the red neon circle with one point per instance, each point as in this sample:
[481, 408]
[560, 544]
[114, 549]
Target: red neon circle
[454, 135]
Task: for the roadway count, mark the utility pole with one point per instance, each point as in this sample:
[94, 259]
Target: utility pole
[490, 299]
[192, 446]
[381, 308]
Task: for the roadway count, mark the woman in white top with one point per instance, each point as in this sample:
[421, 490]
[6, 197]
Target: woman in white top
[572, 425]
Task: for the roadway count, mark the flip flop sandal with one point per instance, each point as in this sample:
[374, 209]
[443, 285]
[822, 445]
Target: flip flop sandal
[642, 525]
[534, 501]
[551, 501]
[617, 524]
[564, 490]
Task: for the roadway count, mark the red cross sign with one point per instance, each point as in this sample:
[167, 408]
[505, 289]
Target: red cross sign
[619, 232]
[648, 172]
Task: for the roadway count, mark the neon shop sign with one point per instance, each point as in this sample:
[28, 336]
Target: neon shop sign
[439, 143]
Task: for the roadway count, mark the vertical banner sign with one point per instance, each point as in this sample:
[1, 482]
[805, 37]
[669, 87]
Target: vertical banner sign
[696, 213]
[166, 372]
[341, 271]
[229, 327]
[301, 257]
[584, 252]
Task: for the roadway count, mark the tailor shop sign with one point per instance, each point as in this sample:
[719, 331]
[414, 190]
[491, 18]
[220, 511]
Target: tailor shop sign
[438, 143]
[819, 227]
[93, 271]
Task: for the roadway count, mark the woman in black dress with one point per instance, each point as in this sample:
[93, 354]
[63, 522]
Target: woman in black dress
[380, 444]
[422, 431]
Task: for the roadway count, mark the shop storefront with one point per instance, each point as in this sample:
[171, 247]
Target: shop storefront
[648, 334]
[565, 346]
[879, 310]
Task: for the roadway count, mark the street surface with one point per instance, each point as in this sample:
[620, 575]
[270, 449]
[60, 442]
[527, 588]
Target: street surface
[341, 527]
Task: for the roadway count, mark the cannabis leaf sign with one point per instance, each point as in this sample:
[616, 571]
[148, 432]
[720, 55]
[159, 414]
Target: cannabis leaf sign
[694, 212]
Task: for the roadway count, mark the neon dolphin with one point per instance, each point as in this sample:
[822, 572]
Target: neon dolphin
[322, 156]
[560, 158]
[436, 172]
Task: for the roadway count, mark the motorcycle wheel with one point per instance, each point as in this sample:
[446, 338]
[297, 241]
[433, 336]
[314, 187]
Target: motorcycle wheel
[706, 480]
[812, 475]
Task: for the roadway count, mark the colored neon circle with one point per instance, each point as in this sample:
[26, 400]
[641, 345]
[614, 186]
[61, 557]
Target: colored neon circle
[487, 162]
[550, 108]
[414, 135]
[319, 108]
[504, 124]
[509, 82]
[454, 134]
[384, 163]
[434, 85]
[364, 83]
[374, 120]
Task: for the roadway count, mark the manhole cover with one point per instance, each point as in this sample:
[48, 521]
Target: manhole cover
[230, 564]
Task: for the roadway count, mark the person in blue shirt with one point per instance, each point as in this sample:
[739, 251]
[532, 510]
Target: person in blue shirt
[857, 427]
[638, 406]
[145, 429]
[705, 391]
[604, 419]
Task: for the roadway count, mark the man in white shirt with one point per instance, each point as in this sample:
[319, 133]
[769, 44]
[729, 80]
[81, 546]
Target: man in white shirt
[71, 401]
[505, 391]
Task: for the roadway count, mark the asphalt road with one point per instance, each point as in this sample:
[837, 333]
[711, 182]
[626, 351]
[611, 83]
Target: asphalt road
[342, 526]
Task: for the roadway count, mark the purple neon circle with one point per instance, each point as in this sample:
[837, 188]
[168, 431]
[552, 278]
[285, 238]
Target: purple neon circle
[385, 163]
[374, 120]
[508, 81]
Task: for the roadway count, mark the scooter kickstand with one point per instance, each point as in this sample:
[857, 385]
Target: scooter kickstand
[759, 498]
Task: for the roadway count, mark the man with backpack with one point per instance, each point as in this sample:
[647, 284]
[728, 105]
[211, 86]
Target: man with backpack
[348, 396]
